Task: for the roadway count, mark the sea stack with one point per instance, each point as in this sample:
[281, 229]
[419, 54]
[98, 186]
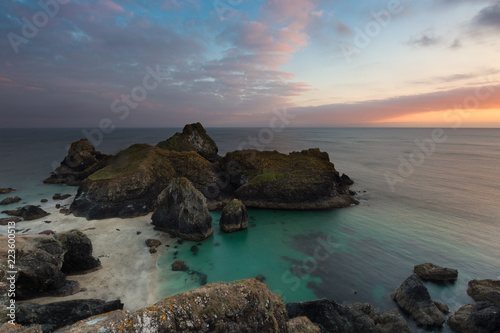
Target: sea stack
[234, 216]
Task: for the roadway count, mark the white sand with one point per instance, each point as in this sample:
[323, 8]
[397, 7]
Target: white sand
[129, 272]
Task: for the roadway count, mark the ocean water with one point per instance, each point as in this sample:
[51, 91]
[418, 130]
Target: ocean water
[442, 207]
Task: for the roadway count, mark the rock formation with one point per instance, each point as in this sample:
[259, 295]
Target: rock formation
[181, 210]
[485, 290]
[7, 190]
[242, 306]
[131, 182]
[348, 318]
[193, 138]
[431, 272]
[10, 200]
[302, 325]
[179, 265]
[412, 297]
[28, 212]
[481, 317]
[234, 216]
[78, 256]
[82, 160]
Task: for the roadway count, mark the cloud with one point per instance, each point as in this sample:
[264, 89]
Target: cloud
[488, 17]
[457, 44]
[426, 39]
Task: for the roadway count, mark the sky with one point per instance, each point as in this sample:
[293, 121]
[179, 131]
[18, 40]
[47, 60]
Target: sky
[242, 63]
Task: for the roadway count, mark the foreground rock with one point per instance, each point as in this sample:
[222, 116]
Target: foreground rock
[412, 297]
[78, 256]
[349, 318]
[8, 328]
[82, 160]
[431, 272]
[482, 317]
[193, 138]
[6, 220]
[485, 290]
[181, 210]
[28, 212]
[131, 182]
[234, 216]
[300, 180]
[242, 306]
[10, 200]
[56, 315]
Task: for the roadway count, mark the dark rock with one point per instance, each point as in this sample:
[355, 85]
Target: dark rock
[138, 233]
[59, 196]
[412, 297]
[346, 180]
[47, 232]
[182, 211]
[180, 241]
[153, 242]
[56, 315]
[436, 273]
[58, 206]
[82, 160]
[193, 138]
[129, 186]
[44, 200]
[7, 190]
[442, 307]
[260, 278]
[78, 257]
[153, 249]
[176, 253]
[6, 220]
[64, 211]
[234, 216]
[195, 249]
[481, 317]
[198, 277]
[10, 200]
[28, 213]
[179, 265]
[485, 290]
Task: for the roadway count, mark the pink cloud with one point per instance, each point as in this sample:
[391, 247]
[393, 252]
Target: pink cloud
[8, 64]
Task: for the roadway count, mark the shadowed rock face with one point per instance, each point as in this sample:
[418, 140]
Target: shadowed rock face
[242, 306]
[412, 297]
[234, 217]
[193, 138]
[82, 160]
[28, 213]
[485, 290]
[481, 317]
[182, 211]
[78, 256]
[436, 273]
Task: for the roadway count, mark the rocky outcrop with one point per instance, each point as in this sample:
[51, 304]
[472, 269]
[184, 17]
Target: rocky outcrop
[181, 210]
[485, 290]
[242, 306]
[234, 216]
[412, 297]
[481, 317]
[7, 190]
[300, 180]
[131, 182]
[431, 272]
[78, 256]
[82, 160]
[193, 138]
[348, 318]
[302, 325]
[56, 315]
[28, 212]
[179, 265]
[6, 220]
[10, 200]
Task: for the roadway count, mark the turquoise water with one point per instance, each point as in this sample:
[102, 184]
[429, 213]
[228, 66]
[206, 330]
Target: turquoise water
[445, 211]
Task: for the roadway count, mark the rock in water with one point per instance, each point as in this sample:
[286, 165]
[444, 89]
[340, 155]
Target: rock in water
[153, 242]
[179, 265]
[413, 297]
[130, 184]
[193, 138]
[436, 273]
[485, 290]
[78, 257]
[28, 213]
[82, 160]
[481, 317]
[182, 211]
[10, 200]
[234, 216]
[6, 190]
[59, 314]
[241, 306]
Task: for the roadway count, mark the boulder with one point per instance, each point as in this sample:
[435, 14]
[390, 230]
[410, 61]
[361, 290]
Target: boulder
[131, 182]
[28, 212]
[82, 160]
[413, 297]
[179, 265]
[234, 216]
[349, 318]
[6, 220]
[59, 314]
[193, 138]
[302, 325]
[242, 306]
[10, 200]
[152, 242]
[431, 272]
[442, 307]
[299, 180]
[485, 290]
[78, 257]
[59, 196]
[481, 317]
[7, 190]
[181, 210]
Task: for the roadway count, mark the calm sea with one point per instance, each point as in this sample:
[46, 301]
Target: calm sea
[440, 205]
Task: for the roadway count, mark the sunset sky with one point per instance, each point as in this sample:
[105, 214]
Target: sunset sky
[165, 63]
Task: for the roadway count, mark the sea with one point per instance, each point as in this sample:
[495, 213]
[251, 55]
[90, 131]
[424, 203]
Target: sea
[425, 195]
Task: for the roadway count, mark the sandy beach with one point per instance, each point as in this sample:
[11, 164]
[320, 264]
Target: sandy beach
[129, 272]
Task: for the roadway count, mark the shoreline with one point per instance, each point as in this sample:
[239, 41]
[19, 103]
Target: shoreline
[128, 271]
